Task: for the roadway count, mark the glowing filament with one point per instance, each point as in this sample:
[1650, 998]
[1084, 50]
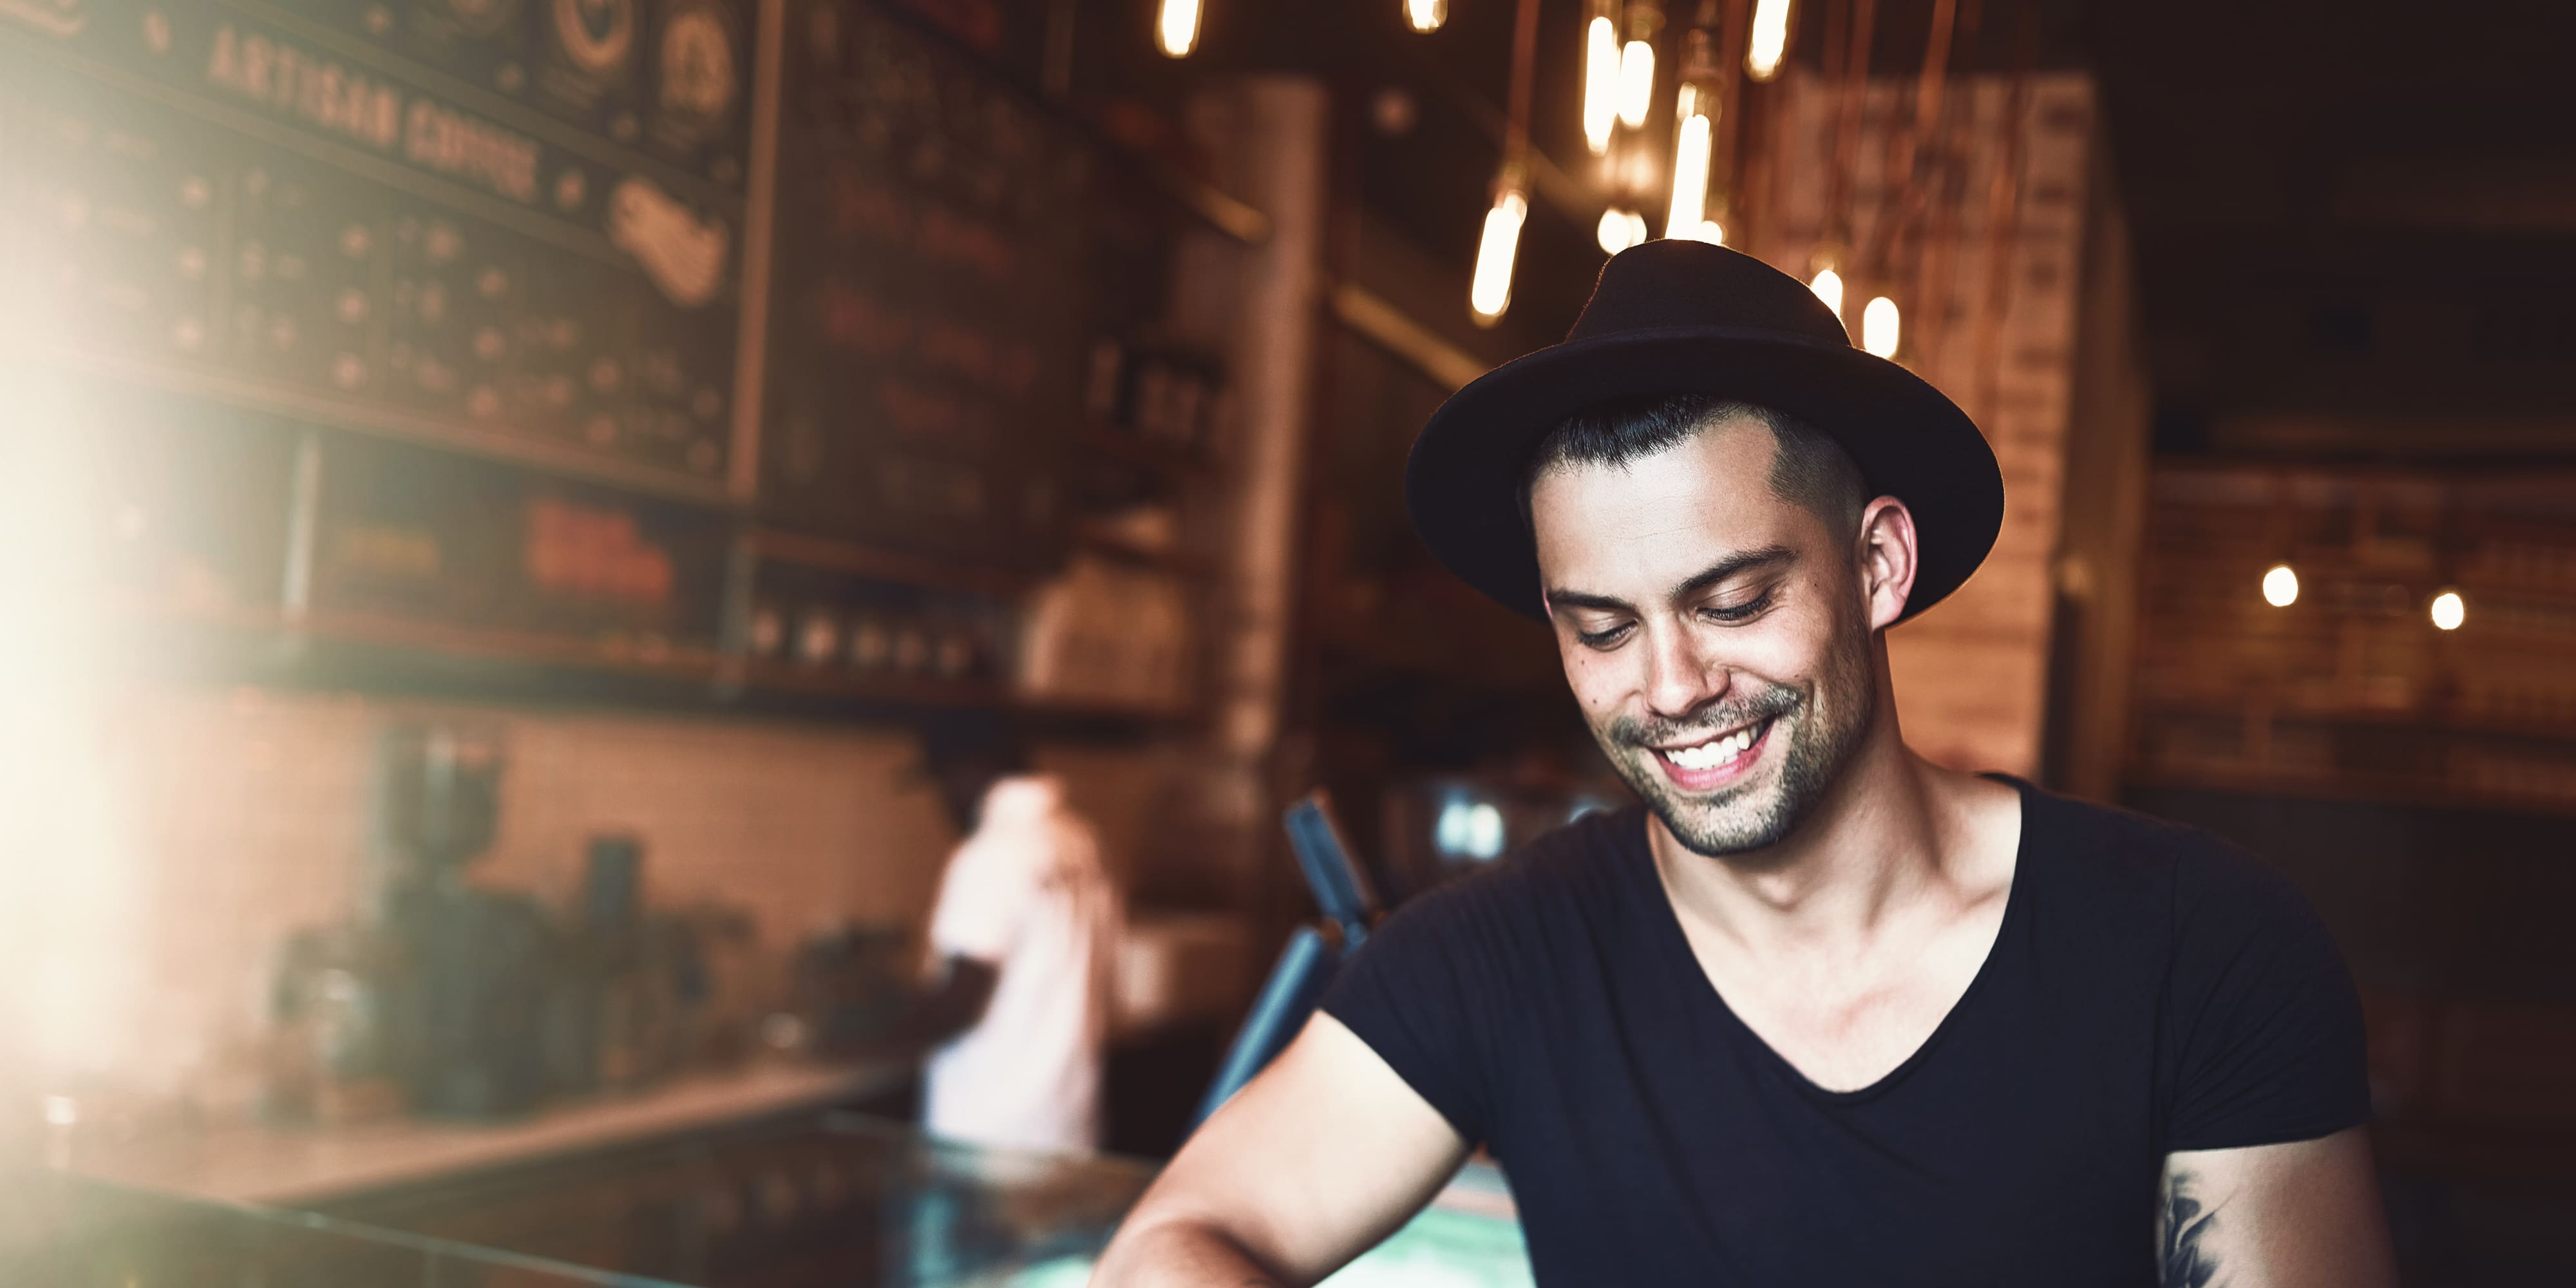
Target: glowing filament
[1426, 15]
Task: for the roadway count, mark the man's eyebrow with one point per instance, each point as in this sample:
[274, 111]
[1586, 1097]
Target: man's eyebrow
[1731, 565]
[1556, 599]
[1741, 562]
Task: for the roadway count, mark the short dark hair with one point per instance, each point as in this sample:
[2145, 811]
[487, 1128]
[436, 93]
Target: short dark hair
[964, 753]
[1808, 468]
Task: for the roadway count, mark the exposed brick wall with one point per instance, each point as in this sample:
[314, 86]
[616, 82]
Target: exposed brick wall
[1970, 674]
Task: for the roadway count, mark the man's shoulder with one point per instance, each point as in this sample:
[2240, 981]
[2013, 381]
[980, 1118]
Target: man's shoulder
[2130, 857]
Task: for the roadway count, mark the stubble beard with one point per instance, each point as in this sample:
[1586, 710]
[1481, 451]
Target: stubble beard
[1814, 747]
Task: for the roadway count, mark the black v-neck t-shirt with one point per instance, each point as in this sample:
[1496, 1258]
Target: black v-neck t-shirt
[2151, 989]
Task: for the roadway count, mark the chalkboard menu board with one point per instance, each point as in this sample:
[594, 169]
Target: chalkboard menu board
[508, 560]
[511, 226]
[939, 277]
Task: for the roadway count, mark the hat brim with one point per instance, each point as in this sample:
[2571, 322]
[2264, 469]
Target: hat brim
[1462, 484]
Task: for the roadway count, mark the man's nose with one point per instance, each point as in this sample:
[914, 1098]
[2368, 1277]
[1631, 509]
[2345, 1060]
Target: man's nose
[1679, 680]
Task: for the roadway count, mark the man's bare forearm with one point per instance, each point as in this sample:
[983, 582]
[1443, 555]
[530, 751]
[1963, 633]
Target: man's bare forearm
[1181, 1255]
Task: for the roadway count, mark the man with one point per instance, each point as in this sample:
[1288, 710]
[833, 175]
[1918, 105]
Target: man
[1820, 1012]
[1021, 949]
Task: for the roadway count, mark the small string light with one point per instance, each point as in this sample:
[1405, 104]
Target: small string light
[2449, 610]
[1426, 15]
[1176, 27]
[2280, 586]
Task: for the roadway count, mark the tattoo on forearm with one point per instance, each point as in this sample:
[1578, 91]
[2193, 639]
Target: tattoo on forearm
[2181, 1225]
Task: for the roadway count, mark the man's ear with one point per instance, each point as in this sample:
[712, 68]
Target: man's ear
[1885, 556]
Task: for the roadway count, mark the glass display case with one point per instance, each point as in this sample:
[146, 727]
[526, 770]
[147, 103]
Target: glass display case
[831, 1198]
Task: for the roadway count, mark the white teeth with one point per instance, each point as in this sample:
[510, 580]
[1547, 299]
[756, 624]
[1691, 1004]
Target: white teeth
[1713, 753]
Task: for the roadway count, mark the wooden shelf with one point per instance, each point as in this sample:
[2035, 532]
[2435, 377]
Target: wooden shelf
[886, 565]
[378, 653]
[1181, 562]
[772, 678]
[636, 654]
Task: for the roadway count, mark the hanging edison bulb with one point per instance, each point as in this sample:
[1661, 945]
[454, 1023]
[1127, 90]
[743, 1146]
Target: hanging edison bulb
[1426, 15]
[1636, 82]
[1878, 327]
[1694, 138]
[1621, 229]
[1769, 42]
[1176, 27]
[1491, 290]
[1600, 78]
[1828, 286]
[1644, 20]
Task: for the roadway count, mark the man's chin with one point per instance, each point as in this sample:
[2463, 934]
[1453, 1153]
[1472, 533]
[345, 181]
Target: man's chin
[1729, 821]
[1725, 835]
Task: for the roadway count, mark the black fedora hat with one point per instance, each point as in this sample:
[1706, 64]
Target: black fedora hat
[1686, 317]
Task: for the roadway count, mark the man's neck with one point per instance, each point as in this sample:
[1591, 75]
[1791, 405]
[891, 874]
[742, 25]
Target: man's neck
[1891, 838]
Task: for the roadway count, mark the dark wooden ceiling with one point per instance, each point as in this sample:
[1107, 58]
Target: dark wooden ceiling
[2354, 220]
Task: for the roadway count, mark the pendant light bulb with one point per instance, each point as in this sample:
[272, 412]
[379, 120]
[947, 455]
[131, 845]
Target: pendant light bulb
[2449, 610]
[2280, 586]
[1828, 287]
[1426, 15]
[1770, 39]
[1176, 27]
[1600, 83]
[1878, 323]
[1691, 146]
[1636, 82]
[1621, 229]
[1491, 291]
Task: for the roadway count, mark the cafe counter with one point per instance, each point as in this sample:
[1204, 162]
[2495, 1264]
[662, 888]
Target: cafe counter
[793, 1194]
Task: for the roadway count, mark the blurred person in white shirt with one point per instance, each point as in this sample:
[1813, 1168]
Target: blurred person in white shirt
[1015, 1003]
